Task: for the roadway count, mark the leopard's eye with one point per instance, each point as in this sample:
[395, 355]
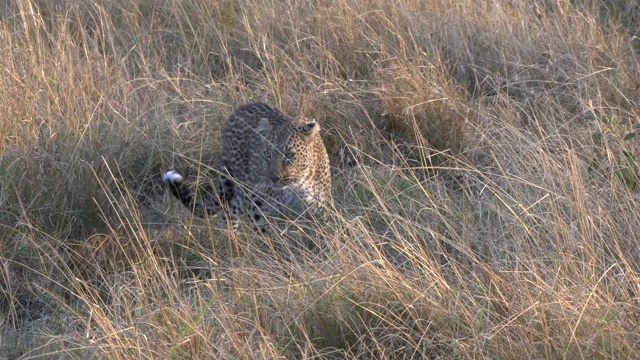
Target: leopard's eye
[289, 157]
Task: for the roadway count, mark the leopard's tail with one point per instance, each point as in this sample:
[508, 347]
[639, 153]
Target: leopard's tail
[204, 204]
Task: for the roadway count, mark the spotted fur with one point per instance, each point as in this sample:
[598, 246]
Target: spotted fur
[272, 165]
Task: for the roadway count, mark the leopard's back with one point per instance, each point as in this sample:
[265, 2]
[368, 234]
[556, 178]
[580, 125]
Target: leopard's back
[246, 136]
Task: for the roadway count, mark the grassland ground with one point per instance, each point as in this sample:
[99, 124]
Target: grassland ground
[485, 169]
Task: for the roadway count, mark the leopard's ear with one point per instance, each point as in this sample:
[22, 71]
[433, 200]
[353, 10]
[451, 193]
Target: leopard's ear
[263, 126]
[310, 128]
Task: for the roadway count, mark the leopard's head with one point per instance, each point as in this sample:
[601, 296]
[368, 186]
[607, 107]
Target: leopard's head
[291, 154]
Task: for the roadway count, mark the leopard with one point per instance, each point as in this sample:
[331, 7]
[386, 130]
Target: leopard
[272, 165]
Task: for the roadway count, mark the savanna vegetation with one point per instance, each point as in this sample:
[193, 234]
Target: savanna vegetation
[485, 159]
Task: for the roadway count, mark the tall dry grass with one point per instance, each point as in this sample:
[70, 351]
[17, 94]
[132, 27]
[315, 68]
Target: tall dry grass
[485, 161]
